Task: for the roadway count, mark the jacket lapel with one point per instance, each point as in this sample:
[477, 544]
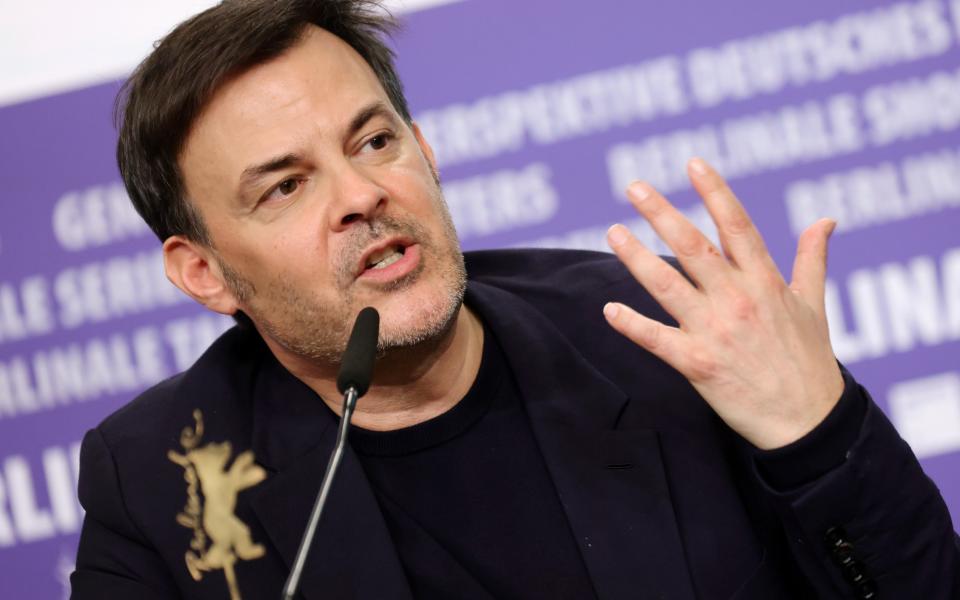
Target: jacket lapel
[611, 482]
[353, 555]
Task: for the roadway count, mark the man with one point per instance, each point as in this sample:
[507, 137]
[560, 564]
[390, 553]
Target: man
[513, 444]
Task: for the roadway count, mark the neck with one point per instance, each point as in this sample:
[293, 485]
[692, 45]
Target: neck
[411, 385]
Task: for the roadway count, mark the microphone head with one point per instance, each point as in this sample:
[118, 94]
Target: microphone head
[356, 365]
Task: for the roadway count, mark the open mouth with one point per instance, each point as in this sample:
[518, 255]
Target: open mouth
[385, 257]
[390, 260]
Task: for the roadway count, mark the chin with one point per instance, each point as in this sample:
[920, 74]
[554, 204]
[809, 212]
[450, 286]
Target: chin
[411, 330]
[418, 319]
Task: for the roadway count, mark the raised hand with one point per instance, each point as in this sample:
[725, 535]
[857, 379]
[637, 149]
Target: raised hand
[756, 348]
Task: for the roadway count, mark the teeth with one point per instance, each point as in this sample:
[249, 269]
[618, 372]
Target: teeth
[384, 258]
[388, 261]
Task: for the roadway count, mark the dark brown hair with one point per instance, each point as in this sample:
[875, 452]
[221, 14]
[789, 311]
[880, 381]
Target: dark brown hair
[159, 103]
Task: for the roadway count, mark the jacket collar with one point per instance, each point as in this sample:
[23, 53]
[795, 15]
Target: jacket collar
[610, 482]
[293, 435]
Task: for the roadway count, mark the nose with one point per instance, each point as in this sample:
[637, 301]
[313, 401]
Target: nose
[357, 197]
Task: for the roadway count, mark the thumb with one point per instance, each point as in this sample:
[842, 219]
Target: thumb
[810, 264]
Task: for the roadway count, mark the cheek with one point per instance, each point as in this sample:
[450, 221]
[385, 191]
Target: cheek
[419, 195]
[413, 173]
[284, 258]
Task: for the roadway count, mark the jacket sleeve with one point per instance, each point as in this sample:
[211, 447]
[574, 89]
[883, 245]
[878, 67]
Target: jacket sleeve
[869, 523]
[114, 561]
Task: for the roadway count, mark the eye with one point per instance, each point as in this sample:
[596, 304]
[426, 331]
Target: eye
[380, 141]
[288, 186]
[285, 188]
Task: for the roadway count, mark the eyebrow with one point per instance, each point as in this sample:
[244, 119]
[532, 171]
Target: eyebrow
[253, 173]
[367, 113]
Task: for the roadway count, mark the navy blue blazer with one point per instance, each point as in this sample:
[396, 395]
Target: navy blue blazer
[664, 500]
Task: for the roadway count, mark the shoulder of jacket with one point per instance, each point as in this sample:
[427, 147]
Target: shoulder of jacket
[563, 282]
[548, 267]
[222, 371]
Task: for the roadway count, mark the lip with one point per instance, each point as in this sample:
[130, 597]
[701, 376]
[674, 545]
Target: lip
[411, 258]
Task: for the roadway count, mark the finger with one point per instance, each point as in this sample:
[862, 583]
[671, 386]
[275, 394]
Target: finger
[699, 257]
[663, 341]
[810, 265]
[667, 286]
[741, 241]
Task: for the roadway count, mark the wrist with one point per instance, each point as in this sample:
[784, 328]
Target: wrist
[820, 450]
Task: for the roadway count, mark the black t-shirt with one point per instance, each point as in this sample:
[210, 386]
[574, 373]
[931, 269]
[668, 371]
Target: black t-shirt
[469, 502]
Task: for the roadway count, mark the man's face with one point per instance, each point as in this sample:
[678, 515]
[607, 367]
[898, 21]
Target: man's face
[319, 201]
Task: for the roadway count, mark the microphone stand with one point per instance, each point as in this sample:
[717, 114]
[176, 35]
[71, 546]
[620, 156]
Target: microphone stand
[356, 371]
[296, 572]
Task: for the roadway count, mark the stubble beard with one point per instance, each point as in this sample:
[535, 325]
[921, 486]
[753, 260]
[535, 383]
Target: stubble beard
[314, 330]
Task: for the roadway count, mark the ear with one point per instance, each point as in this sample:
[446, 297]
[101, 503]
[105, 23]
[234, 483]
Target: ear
[192, 268]
[426, 150]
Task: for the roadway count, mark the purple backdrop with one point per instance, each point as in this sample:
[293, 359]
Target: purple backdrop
[539, 112]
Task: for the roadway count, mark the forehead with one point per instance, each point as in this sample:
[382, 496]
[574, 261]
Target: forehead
[319, 62]
[312, 88]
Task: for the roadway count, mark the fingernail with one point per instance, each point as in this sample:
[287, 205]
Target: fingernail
[611, 310]
[699, 166]
[640, 190]
[617, 234]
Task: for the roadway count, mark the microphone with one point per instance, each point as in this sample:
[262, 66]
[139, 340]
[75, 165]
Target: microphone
[356, 365]
[356, 371]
